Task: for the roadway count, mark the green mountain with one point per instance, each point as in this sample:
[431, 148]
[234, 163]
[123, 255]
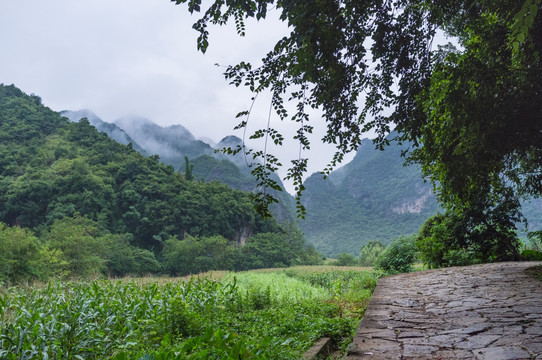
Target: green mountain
[173, 143]
[112, 130]
[374, 197]
[51, 168]
[235, 172]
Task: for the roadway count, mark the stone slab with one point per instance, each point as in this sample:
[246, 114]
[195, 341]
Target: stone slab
[488, 311]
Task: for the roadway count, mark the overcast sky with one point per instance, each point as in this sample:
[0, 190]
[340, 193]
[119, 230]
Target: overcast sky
[136, 57]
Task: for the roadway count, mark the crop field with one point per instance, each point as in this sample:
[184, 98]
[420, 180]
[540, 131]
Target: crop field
[274, 314]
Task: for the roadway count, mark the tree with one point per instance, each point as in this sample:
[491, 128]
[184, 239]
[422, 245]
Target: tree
[188, 174]
[399, 256]
[369, 252]
[20, 257]
[346, 259]
[82, 249]
[473, 113]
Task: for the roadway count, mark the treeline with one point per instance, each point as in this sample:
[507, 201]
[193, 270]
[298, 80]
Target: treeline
[51, 168]
[76, 247]
[58, 174]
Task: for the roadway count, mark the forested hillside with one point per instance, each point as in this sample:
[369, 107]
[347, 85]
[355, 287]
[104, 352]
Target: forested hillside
[374, 197]
[114, 132]
[65, 181]
[176, 144]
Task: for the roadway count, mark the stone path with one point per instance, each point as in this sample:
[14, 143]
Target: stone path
[490, 311]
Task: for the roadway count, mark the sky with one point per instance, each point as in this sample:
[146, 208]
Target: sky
[139, 57]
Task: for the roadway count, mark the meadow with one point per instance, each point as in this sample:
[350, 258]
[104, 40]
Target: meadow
[270, 314]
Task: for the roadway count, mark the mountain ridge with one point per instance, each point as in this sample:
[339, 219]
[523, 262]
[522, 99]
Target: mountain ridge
[175, 142]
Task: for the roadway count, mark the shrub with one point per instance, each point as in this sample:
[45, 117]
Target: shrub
[79, 241]
[345, 259]
[195, 255]
[459, 239]
[535, 240]
[398, 256]
[531, 255]
[123, 258]
[369, 252]
[20, 258]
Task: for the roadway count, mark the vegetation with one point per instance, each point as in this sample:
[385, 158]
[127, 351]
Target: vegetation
[75, 248]
[532, 249]
[374, 197]
[452, 239]
[399, 256]
[74, 203]
[272, 315]
[370, 252]
[345, 259]
[472, 112]
[175, 144]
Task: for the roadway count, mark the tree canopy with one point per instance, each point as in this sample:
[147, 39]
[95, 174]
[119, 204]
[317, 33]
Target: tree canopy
[472, 112]
[73, 202]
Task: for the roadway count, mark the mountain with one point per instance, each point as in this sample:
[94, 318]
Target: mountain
[374, 197]
[112, 130]
[171, 143]
[51, 169]
[236, 173]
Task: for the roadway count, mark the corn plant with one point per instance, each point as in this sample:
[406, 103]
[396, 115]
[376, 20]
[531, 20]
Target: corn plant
[245, 315]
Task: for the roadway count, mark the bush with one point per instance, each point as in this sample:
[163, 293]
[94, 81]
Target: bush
[398, 256]
[195, 255]
[369, 252]
[82, 248]
[345, 259]
[459, 239]
[123, 259]
[535, 240]
[20, 258]
[531, 255]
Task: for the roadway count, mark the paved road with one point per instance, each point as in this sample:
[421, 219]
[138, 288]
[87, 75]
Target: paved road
[490, 311]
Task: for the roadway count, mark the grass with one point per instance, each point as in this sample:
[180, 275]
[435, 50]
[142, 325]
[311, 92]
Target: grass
[268, 314]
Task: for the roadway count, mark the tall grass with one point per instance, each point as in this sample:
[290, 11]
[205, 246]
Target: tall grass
[275, 315]
[281, 288]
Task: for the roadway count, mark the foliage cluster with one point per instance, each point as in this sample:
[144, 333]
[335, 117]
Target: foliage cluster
[52, 168]
[399, 255]
[345, 259]
[74, 203]
[370, 252]
[452, 239]
[472, 112]
[246, 315]
[264, 250]
[76, 247]
[532, 251]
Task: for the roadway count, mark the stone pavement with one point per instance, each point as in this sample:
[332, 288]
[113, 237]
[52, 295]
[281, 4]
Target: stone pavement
[489, 311]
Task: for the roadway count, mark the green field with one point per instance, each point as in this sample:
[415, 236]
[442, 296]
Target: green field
[273, 314]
